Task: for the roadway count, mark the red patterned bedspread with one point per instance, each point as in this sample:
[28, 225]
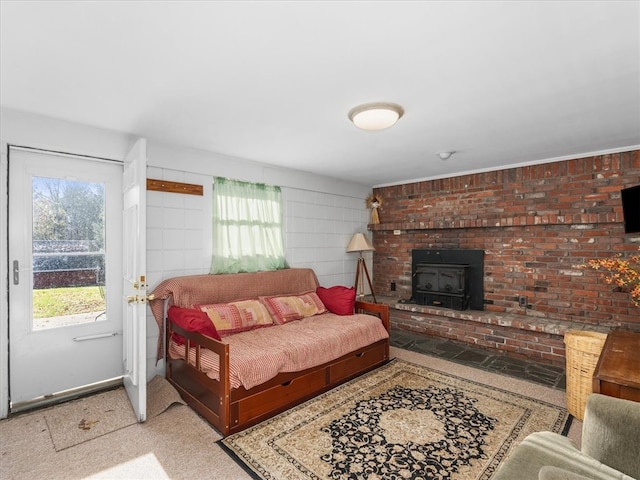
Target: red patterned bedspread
[259, 355]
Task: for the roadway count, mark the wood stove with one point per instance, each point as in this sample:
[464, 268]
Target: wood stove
[448, 278]
[442, 284]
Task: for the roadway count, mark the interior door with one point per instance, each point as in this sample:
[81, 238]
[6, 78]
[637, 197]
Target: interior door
[65, 246]
[134, 284]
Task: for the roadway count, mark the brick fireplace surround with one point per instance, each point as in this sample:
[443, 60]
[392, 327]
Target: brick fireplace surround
[537, 226]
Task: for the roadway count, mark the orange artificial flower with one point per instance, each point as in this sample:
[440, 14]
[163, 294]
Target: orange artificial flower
[623, 272]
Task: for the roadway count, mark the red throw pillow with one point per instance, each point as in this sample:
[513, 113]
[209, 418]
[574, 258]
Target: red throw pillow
[191, 320]
[339, 300]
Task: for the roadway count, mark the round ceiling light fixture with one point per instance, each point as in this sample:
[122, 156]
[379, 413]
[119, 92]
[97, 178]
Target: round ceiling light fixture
[375, 116]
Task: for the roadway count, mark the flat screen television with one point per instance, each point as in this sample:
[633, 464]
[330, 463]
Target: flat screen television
[631, 209]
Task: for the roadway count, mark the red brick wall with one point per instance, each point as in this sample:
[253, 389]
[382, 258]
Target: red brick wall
[537, 226]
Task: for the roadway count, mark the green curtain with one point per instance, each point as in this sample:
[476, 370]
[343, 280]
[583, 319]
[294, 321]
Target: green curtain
[247, 227]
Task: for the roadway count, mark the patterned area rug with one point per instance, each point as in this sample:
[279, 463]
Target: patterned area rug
[399, 421]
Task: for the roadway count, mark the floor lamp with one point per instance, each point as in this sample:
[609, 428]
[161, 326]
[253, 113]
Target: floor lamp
[359, 243]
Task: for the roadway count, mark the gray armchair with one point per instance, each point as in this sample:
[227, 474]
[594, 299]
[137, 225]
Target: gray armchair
[610, 447]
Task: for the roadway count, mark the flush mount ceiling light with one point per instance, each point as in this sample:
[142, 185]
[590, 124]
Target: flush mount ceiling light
[375, 116]
[445, 155]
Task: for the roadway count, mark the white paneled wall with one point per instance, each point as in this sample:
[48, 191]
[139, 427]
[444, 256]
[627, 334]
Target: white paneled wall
[178, 228]
[318, 228]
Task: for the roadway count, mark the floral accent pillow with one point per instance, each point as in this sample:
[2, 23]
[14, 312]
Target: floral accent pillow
[235, 317]
[286, 308]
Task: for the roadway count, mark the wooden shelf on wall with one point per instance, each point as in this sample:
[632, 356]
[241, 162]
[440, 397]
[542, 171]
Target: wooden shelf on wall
[174, 187]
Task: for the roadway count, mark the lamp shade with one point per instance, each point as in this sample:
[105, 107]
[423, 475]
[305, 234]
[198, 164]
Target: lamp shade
[359, 243]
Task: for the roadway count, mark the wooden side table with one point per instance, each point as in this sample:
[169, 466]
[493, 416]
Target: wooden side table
[617, 372]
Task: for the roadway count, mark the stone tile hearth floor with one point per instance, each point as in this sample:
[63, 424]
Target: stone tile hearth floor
[465, 354]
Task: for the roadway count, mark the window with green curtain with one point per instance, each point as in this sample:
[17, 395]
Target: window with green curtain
[247, 227]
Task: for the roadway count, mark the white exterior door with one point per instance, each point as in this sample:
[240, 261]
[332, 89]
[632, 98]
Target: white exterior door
[65, 250]
[134, 283]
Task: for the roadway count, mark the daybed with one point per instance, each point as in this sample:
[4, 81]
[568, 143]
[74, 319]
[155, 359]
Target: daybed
[254, 372]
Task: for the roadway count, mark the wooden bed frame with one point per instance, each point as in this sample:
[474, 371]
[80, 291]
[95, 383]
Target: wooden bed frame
[231, 410]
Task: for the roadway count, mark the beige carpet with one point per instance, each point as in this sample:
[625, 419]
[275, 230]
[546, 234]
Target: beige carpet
[401, 421]
[160, 396]
[177, 444]
[87, 418]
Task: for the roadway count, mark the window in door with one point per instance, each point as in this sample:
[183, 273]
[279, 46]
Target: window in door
[69, 263]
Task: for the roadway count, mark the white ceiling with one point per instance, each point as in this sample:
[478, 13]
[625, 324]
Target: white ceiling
[501, 83]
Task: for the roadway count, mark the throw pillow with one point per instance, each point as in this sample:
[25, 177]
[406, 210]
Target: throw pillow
[339, 300]
[191, 320]
[286, 308]
[236, 317]
[254, 313]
